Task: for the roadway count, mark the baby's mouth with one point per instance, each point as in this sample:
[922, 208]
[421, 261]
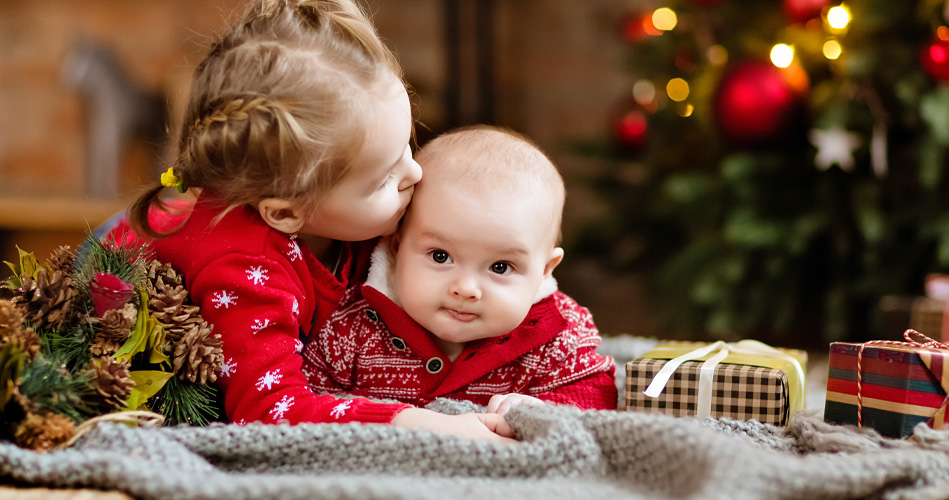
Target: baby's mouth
[461, 315]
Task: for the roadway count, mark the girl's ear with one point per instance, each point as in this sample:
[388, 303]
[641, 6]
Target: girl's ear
[280, 214]
[556, 255]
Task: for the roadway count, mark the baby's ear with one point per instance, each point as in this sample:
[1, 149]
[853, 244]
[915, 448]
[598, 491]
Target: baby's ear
[556, 255]
[280, 214]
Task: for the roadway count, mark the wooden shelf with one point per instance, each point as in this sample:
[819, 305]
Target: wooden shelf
[56, 213]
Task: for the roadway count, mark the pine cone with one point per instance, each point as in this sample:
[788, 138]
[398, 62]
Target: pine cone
[43, 432]
[198, 355]
[169, 303]
[13, 332]
[115, 326]
[161, 276]
[112, 380]
[62, 259]
[47, 300]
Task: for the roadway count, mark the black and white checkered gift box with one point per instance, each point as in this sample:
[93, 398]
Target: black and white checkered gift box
[739, 391]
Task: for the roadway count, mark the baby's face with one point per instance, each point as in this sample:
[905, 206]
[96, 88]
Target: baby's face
[469, 264]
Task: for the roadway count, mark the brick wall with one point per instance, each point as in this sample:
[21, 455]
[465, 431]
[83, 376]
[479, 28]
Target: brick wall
[558, 73]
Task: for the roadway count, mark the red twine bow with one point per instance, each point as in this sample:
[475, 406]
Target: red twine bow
[915, 343]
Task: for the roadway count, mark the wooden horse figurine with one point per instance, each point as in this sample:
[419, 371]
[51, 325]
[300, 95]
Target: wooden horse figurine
[117, 111]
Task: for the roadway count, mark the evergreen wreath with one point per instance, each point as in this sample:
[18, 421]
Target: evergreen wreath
[103, 330]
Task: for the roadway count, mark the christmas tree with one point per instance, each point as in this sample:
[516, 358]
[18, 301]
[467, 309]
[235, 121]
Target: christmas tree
[782, 164]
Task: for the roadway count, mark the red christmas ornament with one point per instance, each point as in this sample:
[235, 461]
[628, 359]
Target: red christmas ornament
[631, 130]
[757, 102]
[934, 57]
[802, 11]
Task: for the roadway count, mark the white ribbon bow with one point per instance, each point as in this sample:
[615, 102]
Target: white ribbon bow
[746, 346]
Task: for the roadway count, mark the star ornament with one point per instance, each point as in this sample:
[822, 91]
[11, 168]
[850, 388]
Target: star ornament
[835, 146]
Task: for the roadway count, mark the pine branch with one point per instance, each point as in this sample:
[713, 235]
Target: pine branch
[51, 387]
[182, 401]
[125, 261]
[68, 346]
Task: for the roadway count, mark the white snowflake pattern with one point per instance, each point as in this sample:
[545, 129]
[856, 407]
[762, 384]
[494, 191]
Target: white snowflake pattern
[294, 252]
[257, 274]
[259, 325]
[269, 379]
[340, 409]
[228, 367]
[296, 307]
[241, 422]
[297, 345]
[224, 298]
[281, 407]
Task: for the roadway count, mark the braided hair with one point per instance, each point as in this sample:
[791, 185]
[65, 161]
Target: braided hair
[276, 106]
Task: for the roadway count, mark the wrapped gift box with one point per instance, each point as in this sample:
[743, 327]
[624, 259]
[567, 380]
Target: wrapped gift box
[763, 383]
[901, 385]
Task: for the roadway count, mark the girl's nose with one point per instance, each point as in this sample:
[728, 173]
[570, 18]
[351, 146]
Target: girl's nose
[411, 175]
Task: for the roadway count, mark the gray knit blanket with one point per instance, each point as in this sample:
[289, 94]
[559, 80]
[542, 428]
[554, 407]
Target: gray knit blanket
[562, 453]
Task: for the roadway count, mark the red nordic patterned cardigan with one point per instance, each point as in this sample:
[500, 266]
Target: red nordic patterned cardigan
[262, 292]
[372, 348]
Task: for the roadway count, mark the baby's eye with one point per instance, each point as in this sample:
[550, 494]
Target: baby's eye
[501, 268]
[440, 256]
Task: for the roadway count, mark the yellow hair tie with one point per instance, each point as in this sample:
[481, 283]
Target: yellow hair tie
[169, 179]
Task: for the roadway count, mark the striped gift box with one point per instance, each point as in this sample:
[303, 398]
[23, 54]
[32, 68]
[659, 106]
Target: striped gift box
[739, 390]
[890, 386]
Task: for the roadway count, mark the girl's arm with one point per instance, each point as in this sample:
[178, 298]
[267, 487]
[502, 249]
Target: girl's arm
[255, 304]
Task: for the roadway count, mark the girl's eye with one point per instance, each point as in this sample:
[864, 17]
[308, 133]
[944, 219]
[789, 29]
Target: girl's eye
[500, 268]
[387, 180]
[440, 256]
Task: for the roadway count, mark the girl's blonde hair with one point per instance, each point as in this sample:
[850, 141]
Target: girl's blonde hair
[278, 106]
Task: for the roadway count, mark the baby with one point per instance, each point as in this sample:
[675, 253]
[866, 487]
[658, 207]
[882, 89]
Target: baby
[460, 303]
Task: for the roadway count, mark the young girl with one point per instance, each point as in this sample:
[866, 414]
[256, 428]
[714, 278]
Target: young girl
[297, 137]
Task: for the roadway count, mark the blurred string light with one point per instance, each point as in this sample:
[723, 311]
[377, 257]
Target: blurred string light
[664, 19]
[717, 55]
[677, 89]
[832, 49]
[644, 92]
[782, 55]
[942, 33]
[838, 18]
[686, 110]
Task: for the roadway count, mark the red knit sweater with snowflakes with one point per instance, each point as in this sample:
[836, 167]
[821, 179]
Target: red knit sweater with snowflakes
[372, 348]
[262, 292]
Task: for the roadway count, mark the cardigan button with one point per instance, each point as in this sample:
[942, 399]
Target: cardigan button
[398, 343]
[372, 315]
[434, 365]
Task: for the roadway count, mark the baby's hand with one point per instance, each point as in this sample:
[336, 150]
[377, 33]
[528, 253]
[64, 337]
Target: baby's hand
[501, 403]
[486, 426]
